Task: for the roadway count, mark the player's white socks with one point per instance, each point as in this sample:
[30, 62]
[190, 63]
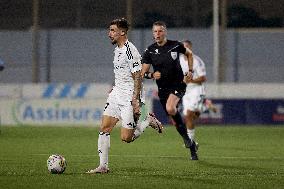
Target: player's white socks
[191, 133]
[103, 148]
[140, 129]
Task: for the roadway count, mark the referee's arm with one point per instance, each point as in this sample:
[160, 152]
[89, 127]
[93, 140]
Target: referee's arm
[145, 71]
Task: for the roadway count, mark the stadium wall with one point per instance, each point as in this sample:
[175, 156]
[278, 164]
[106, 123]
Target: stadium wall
[81, 104]
[86, 55]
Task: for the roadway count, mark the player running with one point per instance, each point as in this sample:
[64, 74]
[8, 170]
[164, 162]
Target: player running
[194, 102]
[123, 102]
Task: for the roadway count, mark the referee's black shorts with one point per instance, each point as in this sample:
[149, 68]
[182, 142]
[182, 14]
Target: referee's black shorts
[164, 94]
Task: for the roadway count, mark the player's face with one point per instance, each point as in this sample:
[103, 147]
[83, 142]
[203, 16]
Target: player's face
[159, 34]
[187, 45]
[114, 34]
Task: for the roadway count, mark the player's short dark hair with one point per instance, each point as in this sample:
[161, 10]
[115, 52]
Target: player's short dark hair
[160, 23]
[188, 42]
[121, 23]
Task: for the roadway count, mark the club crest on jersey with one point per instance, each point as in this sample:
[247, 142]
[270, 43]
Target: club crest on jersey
[174, 55]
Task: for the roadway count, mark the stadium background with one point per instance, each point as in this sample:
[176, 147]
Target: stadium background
[58, 71]
[57, 55]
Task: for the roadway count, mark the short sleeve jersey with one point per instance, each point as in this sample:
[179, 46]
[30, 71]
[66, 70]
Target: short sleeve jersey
[198, 66]
[165, 59]
[127, 60]
[198, 71]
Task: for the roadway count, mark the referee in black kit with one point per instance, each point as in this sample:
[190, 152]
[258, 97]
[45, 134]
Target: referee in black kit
[163, 55]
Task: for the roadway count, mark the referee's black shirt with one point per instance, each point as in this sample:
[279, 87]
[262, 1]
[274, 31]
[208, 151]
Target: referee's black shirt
[165, 59]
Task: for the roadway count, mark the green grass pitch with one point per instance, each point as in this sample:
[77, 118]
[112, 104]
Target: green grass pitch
[230, 157]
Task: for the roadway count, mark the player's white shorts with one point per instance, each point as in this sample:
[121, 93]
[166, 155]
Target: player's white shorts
[193, 100]
[119, 106]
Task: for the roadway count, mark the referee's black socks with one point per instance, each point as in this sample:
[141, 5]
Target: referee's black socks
[181, 128]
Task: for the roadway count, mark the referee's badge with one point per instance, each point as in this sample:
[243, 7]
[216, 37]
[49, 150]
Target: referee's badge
[174, 55]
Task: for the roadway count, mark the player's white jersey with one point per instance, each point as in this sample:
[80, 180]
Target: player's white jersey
[127, 60]
[198, 71]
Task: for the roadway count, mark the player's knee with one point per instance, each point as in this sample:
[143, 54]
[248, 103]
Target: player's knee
[171, 110]
[190, 115]
[105, 129]
[126, 139]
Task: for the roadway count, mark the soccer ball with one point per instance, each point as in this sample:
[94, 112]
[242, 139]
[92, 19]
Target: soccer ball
[56, 164]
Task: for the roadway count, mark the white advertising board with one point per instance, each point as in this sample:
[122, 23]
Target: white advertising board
[55, 112]
[42, 112]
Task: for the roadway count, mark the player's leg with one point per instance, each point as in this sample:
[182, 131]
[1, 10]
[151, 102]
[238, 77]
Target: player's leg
[190, 117]
[208, 105]
[191, 102]
[192, 105]
[151, 121]
[109, 120]
[107, 125]
[128, 123]
[130, 129]
[171, 108]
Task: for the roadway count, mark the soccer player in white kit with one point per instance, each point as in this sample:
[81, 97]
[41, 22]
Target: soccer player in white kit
[123, 102]
[194, 102]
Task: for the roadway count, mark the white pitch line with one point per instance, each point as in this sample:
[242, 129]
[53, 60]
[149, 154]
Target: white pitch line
[157, 156]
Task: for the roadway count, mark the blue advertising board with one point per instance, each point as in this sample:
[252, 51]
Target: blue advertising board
[236, 111]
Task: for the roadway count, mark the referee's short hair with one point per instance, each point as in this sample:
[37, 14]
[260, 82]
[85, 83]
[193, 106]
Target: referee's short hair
[160, 23]
[121, 23]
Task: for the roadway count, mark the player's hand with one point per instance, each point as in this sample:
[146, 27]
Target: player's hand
[188, 77]
[156, 75]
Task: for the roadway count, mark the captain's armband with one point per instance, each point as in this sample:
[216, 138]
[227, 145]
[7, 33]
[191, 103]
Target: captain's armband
[148, 75]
